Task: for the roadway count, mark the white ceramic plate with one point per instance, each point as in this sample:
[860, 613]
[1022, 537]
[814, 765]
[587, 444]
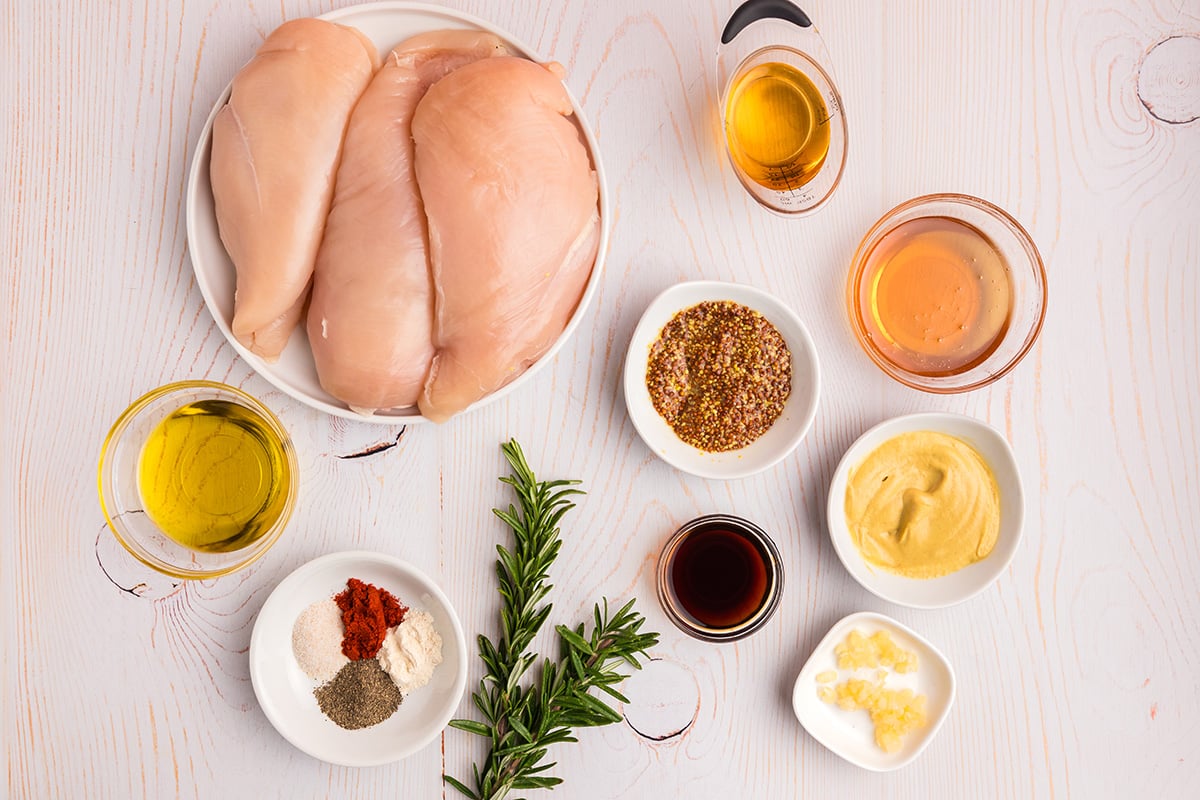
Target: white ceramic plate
[957, 586]
[386, 24]
[286, 693]
[770, 448]
[851, 734]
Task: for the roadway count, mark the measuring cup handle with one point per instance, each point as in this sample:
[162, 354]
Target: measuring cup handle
[754, 10]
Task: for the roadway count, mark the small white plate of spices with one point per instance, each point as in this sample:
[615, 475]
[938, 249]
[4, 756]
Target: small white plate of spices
[874, 692]
[735, 370]
[287, 694]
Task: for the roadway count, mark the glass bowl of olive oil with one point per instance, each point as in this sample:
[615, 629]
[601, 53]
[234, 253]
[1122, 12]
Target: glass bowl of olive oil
[197, 479]
[947, 293]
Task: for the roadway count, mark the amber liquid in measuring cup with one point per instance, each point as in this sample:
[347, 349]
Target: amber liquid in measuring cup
[785, 131]
[935, 297]
[776, 126]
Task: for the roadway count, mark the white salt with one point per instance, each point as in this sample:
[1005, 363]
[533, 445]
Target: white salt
[317, 640]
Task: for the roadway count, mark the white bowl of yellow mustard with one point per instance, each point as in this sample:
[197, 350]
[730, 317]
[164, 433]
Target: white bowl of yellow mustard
[926, 510]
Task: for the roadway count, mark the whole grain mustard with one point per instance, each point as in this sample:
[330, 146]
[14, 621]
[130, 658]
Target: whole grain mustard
[720, 374]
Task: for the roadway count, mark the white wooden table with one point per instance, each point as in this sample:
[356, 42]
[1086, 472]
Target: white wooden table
[1077, 670]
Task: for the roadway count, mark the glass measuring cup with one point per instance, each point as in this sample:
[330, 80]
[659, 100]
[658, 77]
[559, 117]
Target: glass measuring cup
[785, 129]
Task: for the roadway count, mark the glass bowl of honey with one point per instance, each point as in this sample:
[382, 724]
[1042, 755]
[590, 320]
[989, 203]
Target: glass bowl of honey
[947, 293]
[720, 578]
[197, 479]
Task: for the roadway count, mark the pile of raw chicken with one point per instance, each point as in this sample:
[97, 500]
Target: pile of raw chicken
[435, 217]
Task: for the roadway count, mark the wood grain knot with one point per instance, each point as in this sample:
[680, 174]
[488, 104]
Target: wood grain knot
[664, 700]
[127, 573]
[1169, 80]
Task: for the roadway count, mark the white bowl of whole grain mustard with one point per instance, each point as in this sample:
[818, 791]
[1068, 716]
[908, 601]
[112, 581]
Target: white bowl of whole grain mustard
[775, 422]
[938, 533]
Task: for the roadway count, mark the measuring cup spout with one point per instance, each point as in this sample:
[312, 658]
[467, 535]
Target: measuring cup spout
[754, 10]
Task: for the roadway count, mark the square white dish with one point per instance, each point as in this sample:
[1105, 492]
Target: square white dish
[851, 734]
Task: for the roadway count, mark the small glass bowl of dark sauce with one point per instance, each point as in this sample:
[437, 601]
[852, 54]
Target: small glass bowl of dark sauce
[720, 578]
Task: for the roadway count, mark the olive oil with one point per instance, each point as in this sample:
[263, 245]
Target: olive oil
[213, 476]
[777, 126]
[935, 296]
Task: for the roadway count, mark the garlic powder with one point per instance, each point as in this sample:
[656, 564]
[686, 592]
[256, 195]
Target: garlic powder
[410, 651]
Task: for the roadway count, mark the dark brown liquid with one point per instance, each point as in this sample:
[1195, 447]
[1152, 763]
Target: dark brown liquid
[719, 577]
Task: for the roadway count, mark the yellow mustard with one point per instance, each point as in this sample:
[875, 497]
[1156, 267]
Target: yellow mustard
[922, 505]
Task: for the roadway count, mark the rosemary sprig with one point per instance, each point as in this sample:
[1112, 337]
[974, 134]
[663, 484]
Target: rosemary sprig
[522, 720]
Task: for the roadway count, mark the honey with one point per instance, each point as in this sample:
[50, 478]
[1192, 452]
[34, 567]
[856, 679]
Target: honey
[213, 476]
[776, 126]
[935, 296]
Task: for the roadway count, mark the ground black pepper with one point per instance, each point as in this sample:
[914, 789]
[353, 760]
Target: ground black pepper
[359, 696]
[719, 374]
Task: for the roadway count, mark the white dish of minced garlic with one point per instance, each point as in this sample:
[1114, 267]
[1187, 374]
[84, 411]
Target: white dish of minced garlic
[874, 692]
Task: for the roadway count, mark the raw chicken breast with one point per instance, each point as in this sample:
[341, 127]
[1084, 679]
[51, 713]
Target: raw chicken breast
[510, 197]
[275, 149]
[371, 319]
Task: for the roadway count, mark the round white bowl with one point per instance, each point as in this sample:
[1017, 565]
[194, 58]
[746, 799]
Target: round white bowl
[285, 693]
[966, 582]
[782, 437]
[386, 24]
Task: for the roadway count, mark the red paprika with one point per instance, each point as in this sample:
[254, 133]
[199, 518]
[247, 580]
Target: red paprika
[367, 613]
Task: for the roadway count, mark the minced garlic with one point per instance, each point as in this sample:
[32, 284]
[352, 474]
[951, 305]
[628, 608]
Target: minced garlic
[894, 712]
[878, 650]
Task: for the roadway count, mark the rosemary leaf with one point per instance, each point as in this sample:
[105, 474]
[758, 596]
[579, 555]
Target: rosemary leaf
[460, 787]
[470, 726]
